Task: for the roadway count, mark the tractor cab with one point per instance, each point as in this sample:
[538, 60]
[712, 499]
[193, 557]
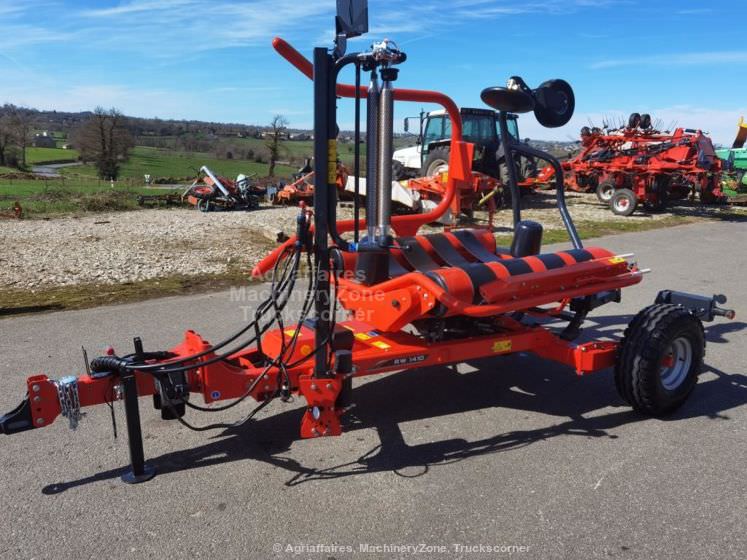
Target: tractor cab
[430, 155]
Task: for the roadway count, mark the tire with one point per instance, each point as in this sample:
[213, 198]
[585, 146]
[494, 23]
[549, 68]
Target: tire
[660, 358]
[438, 159]
[605, 190]
[661, 190]
[623, 202]
[399, 172]
[634, 120]
[645, 121]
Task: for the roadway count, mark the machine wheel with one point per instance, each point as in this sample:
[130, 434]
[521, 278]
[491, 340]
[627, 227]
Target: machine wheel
[605, 190]
[204, 206]
[623, 202]
[399, 173]
[436, 162]
[634, 121]
[645, 121]
[660, 358]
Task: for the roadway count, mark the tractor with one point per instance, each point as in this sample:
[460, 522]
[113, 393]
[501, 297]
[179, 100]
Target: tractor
[430, 155]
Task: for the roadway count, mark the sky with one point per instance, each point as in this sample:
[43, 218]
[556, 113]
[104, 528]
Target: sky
[682, 61]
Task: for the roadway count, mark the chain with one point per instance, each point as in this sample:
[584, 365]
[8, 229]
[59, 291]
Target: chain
[67, 392]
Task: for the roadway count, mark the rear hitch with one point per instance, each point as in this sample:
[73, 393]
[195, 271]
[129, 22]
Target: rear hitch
[18, 420]
[703, 307]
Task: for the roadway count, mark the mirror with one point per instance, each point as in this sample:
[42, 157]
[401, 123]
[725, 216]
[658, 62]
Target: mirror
[407, 124]
[352, 18]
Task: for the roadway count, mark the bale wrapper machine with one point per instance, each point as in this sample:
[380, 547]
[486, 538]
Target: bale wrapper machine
[414, 300]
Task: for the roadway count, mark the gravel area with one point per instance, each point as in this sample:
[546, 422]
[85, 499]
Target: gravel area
[132, 246]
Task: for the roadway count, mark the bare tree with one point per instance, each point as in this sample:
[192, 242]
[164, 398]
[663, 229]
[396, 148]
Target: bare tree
[104, 140]
[16, 133]
[7, 136]
[277, 126]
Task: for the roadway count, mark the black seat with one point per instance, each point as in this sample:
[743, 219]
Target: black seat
[508, 100]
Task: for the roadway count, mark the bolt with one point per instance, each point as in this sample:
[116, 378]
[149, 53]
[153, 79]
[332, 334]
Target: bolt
[329, 385]
[266, 377]
[315, 431]
[267, 387]
[36, 388]
[313, 387]
[37, 399]
[40, 421]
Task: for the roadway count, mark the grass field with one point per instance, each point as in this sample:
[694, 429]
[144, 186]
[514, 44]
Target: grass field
[35, 156]
[179, 165]
[64, 196]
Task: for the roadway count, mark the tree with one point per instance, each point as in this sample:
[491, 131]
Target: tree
[277, 126]
[7, 136]
[21, 123]
[104, 140]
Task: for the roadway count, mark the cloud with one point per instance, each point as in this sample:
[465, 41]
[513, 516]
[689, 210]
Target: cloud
[675, 59]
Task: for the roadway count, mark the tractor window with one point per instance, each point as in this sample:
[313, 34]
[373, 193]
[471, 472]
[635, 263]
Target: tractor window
[434, 130]
[479, 129]
[513, 128]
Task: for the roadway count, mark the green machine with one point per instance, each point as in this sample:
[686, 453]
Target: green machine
[735, 162]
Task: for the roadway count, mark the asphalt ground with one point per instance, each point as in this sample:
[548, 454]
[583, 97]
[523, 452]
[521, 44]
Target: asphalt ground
[512, 456]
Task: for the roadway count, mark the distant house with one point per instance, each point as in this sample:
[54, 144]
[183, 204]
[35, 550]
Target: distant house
[300, 136]
[44, 140]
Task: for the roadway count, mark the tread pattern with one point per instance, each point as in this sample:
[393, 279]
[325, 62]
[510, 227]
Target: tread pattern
[639, 359]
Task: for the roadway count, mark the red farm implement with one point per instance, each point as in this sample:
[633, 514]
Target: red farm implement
[209, 193]
[412, 300]
[637, 165]
[16, 212]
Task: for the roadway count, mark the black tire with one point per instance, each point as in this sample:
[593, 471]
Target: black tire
[623, 202]
[645, 121]
[660, 189]
[399, 172]
[585, 131]
[660, 358]
[437, 157]
[605, 191]
[634, 121]
[555, 103]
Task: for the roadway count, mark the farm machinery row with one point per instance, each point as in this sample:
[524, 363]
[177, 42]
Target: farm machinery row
[412, 300]
[639, 165]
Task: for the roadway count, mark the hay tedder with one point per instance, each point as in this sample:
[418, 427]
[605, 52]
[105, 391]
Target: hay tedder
[209, 193]
[638, 165]
[413, 300]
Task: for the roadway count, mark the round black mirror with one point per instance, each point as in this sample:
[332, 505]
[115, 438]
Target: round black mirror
[555, 103]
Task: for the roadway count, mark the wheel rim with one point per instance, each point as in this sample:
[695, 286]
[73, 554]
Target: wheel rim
[437, 167]
[622, 204]
[676, 363]
[607, 192]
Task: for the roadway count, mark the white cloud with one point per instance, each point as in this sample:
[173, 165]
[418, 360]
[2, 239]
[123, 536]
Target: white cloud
[675, 59]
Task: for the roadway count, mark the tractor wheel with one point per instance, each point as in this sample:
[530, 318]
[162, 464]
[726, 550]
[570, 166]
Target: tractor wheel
[660, 358]
[645, 121]
[623, 202]
[634, 121]
[399, 173]
[605, 190]
[436, 162]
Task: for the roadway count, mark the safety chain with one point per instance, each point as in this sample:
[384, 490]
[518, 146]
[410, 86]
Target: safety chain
[67, 392]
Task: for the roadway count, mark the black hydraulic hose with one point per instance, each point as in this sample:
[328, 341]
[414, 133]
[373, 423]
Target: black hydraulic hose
[114, 363]
[523, 149]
